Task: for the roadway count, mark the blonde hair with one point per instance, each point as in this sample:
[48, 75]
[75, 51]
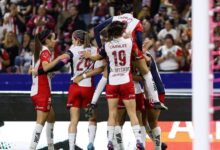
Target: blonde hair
[9, 43]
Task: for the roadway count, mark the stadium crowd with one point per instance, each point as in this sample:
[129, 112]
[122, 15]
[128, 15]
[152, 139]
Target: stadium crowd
[166, 28]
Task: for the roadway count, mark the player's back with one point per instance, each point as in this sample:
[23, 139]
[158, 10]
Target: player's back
[119, 55]
[133, 24]
[80, 65]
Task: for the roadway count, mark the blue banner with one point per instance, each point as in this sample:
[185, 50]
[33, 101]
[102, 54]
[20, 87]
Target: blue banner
[22, 82]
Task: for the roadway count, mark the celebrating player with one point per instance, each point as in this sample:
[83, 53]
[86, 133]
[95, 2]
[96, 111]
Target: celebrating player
[120, 84]
[41, 89]
[134, 28]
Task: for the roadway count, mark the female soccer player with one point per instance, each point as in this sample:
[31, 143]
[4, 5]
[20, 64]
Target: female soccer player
[120, 84]
[41, 89]
[80, 92]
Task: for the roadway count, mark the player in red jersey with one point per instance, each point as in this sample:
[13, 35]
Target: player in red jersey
[41, 88]
[134, 28]
[80, 91]
[120, 83]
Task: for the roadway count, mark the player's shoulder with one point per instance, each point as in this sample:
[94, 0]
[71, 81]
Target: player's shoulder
[92, 49]
[45, 49]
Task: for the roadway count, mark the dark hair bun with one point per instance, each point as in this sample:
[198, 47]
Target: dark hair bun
[43, 35]
[116, 28]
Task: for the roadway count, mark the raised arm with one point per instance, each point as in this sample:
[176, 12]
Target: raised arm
[99, 28]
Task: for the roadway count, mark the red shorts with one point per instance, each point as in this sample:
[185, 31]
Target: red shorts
[139, 102]
[123, 91]
[161, 98]
[79, 96]
[42, 102]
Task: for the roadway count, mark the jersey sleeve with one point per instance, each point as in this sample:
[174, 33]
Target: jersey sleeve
[70, 54]
[103, 52]
[99, 28]
[139, 27]
[45, 56]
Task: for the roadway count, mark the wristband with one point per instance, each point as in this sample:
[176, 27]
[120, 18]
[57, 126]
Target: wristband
[84, 75]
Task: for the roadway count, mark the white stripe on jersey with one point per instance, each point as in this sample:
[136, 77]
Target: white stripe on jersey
[129, 19]
[35, 79]
[119, 55]
[81, 65]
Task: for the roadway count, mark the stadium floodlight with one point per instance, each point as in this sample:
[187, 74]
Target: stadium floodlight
[200, 74]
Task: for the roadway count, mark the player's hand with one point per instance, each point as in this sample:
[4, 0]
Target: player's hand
[78, 79]
[86, 54]
[34, 72]
[90, 110]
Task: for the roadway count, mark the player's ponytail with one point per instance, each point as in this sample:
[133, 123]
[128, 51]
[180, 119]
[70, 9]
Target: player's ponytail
[82, 37]
[37, 49]
[86, 42]
[39, 41]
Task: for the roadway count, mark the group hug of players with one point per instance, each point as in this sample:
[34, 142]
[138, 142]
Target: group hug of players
[130, 75]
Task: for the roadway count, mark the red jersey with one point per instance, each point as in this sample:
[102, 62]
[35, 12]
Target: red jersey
[41, 84]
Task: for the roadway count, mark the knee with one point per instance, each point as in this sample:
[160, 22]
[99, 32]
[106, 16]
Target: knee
[92, 119]
[73, 123]
[152, 124]
[142, 67]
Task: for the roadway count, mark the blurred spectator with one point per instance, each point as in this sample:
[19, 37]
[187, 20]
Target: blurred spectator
[23, 61]
[151, 45]
[2, 7]
[167, 30]
[36, 4]
[101, 12]
[4, 60]
[2, 30]
[159, 19]
[144, 13]
[217, 3]
[177, 21]
[24, 7]
[186, 35]
[15, 21]
[217, 17]
[187, 10]
[187, 56]
[146, 3]
[53, 8]
[169, 55]
[85, 11]
[11, 45]
[71, 24]
[41, 21]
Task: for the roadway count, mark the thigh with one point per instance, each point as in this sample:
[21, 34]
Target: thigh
[140, 101]
[51, 116]
[42, 102]
[153, 114]
[74, 96]
[112, 105]
[112, 91]
[130, 105]
[41, 117]
[127, 91]
[86, 94]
